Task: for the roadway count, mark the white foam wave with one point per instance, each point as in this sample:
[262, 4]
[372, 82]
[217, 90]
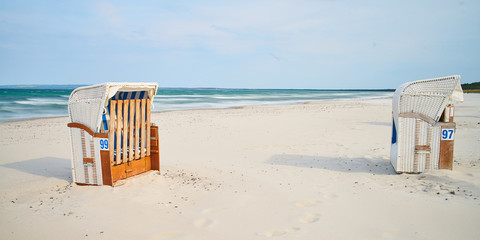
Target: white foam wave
[181, 102]
[42, 101]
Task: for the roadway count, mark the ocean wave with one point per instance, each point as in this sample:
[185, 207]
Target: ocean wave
[182, 96]
[175, 100]
[42, 101]
[25, 104]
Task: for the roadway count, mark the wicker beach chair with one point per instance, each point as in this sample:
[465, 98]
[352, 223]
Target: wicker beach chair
[422, 114]
[111, 134]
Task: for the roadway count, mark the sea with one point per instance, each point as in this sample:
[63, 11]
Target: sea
[28, 102]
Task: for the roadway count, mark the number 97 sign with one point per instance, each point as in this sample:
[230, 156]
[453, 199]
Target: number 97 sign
[104, 143]
[447, 134]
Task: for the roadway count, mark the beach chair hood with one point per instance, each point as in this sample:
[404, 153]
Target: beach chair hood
[87, 104]
[427, 97]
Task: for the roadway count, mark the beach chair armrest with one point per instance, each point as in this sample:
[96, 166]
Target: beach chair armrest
[87, 129]
[423, 117]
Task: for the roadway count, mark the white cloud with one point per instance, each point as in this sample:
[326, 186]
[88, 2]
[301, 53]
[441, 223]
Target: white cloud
[223, 28]
[280, 27]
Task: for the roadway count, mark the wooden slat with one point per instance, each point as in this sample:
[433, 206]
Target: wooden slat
[87, 130]
[125, 130]
[422, 147]
[136, 167]
[111, 128]
[148, 127]
[155, 157]
[446, 155]
[144, 134]
[106, 167]
[148, 163]
[118, 172]
[445, 159]
[81, 126]
[87, 160]
[418, 116]
[137, 128]
[130, 130]
[119, 132]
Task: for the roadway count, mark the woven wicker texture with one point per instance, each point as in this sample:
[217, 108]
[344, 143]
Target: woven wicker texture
[417, 107]
[90, 106]
[428, 97]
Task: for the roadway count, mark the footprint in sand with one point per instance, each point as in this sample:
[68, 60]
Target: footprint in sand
[292, 229]
[309, 218]
[276, 233]
[306, 203]
[329, 195]
[202, 223]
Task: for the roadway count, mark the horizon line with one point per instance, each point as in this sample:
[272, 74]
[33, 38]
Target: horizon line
[73, 86]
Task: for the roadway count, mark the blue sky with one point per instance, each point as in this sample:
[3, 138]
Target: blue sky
[239, 44]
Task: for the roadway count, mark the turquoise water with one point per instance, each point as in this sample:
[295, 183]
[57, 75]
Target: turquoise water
[27, 102]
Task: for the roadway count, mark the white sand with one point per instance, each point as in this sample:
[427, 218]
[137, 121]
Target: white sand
[308, 171]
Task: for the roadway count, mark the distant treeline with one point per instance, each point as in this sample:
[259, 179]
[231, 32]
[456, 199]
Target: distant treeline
[471, 87]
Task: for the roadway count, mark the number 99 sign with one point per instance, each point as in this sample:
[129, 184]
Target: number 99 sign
[104, 144]
[447, 134]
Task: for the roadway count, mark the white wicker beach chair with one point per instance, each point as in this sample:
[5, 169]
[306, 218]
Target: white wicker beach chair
[111, 133]
[417, 125]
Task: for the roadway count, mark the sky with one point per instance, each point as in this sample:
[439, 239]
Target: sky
[239, 44]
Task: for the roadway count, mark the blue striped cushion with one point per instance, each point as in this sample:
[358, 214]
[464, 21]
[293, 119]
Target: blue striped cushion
[121, 96]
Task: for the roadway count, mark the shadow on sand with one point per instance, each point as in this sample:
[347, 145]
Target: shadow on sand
[386, 124]
[46, 167]
[348, 165]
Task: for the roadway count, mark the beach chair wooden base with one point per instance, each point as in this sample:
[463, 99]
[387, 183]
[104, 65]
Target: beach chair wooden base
[111, 134]
[112, 173]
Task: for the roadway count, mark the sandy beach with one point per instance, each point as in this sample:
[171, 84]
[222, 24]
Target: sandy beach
[318, 170]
